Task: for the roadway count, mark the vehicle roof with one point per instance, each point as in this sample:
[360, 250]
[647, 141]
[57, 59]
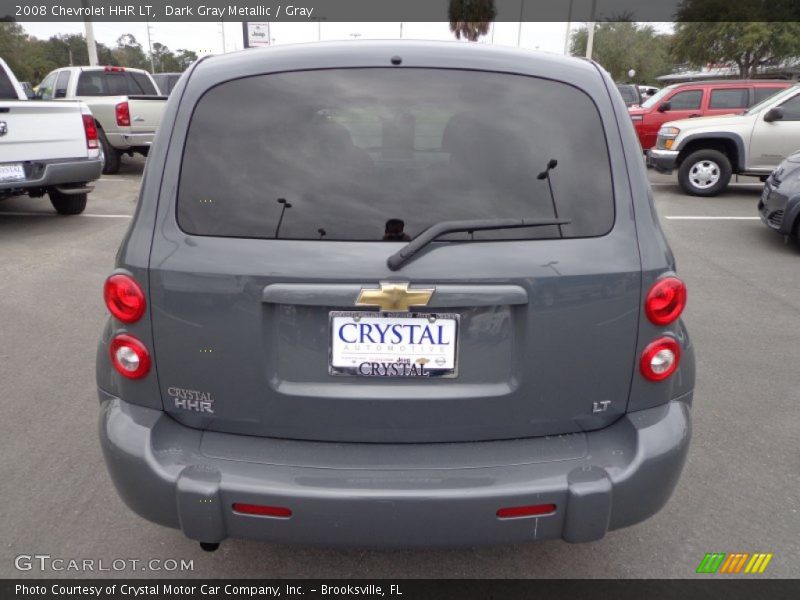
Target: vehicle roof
[100, 68]
[733, 82]
[378, 53]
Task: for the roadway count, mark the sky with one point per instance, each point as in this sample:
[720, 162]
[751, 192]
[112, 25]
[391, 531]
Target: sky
[206, 38]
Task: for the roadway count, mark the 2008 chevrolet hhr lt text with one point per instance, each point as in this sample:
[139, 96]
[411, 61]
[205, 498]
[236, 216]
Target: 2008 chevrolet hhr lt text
[395, 294]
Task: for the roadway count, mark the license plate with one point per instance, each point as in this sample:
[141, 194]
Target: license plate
[367, 344]
[12, 172]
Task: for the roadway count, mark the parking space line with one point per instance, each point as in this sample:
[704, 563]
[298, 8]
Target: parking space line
[709, 218]
[38, 214]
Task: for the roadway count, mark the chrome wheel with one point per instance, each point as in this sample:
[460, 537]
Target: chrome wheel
[704, 174]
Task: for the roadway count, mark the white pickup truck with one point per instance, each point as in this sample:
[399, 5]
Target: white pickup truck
[708, 150]
[46, 148]
[126, 105]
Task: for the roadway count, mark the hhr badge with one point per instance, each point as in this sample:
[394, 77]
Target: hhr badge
[394, 297]
[193, 400]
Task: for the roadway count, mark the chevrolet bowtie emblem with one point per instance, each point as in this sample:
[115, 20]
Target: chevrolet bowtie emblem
[394, 297]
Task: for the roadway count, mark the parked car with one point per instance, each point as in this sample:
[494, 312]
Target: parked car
[166, 81]
[328, 316]
[698, 99]
[630, 94]
[126, 105]
[46, 148]
[779, 206]
[708, 151]
[646, 91]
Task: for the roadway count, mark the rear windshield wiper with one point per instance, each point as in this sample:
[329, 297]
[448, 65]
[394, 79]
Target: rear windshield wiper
[407, 252]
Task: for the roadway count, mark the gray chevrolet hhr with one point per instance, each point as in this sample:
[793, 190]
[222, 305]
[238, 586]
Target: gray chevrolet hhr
[395, 294]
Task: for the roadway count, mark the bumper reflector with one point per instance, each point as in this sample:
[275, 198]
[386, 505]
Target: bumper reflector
[535, 510]
[261, 510]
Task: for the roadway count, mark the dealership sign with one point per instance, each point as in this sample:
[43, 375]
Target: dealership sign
[258, 34]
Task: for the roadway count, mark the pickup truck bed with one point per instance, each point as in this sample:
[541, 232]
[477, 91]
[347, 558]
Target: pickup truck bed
[47, 148]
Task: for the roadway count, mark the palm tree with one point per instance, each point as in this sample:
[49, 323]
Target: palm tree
[471, 18]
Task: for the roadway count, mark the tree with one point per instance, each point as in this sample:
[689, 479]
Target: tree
[471, 18]
[749, 45]
[185, 58]
[166, 61]
[623, 45]
[159, 54]
[129, 53]
[14, 48]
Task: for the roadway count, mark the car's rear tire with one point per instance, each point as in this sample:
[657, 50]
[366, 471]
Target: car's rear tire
[112, 156]
[67, 204]
[705, 173]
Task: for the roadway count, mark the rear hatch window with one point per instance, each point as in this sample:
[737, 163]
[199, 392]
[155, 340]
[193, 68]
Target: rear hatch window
[382, 154]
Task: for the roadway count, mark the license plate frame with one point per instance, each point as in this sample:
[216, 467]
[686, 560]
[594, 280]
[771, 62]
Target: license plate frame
[426, 370]
[12, 172]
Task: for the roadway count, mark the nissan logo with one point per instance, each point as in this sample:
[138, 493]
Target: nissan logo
[3, 128]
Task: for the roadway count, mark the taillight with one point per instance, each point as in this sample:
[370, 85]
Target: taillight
[123, 114]
[90, 129]
[114, 69]
[665, 301]
[129, 356]
[660, 359]
[124, 298]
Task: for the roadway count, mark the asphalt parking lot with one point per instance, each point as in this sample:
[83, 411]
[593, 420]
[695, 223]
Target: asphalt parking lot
[738, 493]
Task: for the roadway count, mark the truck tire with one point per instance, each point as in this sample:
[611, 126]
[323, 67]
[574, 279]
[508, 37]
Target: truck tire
[67, 204]
[112, 157]
[705, 173]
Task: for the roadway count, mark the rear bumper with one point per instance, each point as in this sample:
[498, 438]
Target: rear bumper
[662, 161]
[46, 174]
[125, 141]
[394, 495]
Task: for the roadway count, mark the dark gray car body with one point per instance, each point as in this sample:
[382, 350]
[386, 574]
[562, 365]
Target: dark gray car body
[403, 463]
[779, 206]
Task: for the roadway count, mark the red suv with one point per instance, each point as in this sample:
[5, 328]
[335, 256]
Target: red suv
[698, 99]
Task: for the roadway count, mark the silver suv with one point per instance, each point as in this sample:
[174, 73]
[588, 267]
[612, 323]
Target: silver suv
[395, 294]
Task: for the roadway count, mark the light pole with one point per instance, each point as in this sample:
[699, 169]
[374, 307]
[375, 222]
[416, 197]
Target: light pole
[590, 35]
[90, 43]
[319, 21]
[150, 47]
[569, 19]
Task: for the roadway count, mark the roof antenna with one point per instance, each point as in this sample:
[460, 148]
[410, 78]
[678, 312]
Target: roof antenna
[551, 164]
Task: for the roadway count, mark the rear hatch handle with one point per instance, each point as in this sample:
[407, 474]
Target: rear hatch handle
[407, 252]
[345, 294]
